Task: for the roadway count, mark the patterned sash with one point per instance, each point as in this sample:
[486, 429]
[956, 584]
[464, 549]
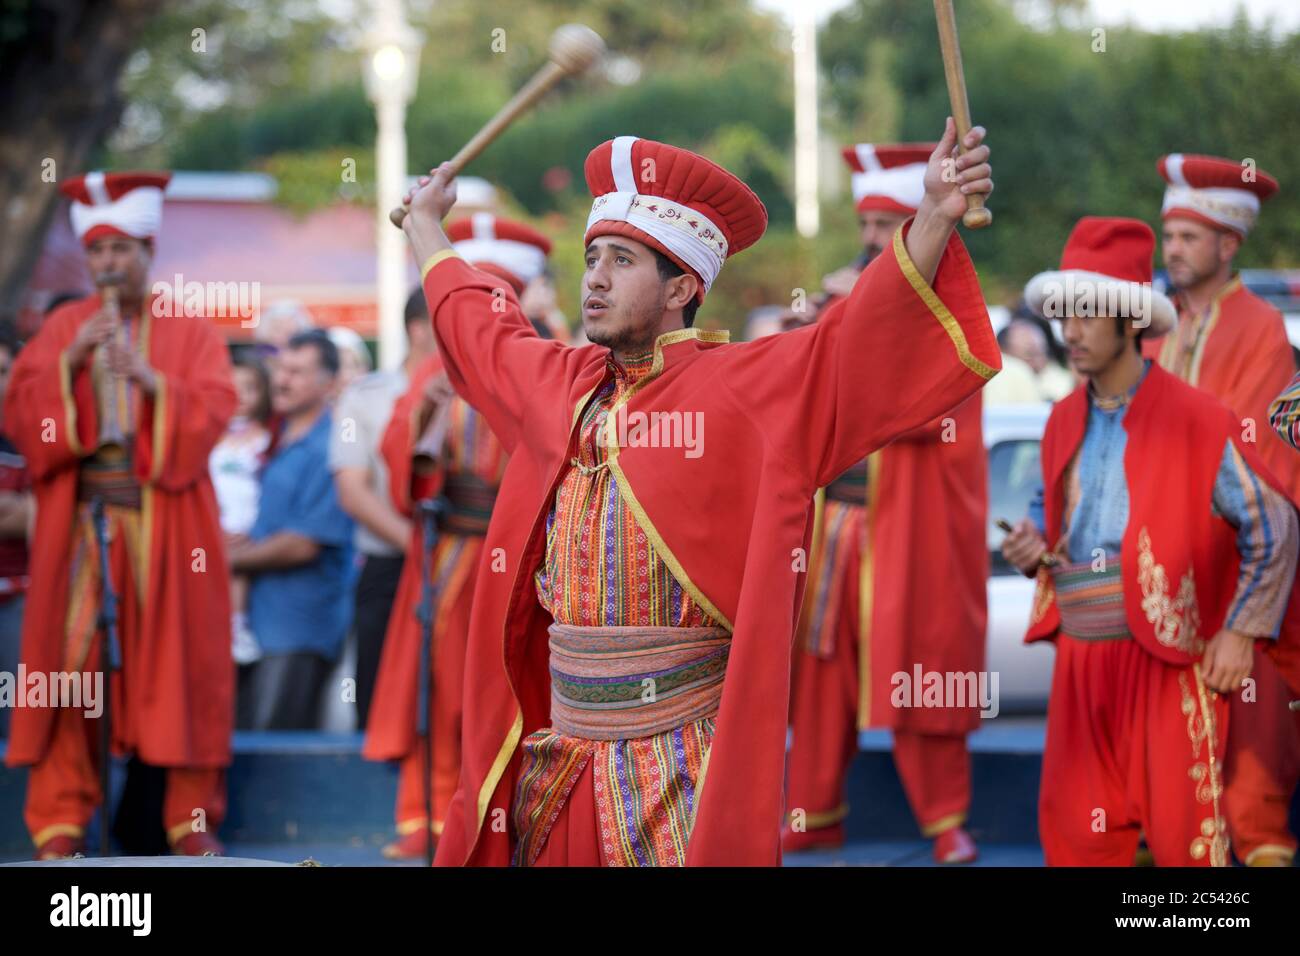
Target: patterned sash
[471, 500]
[110, 474]
[1091, 601]
[620, 683]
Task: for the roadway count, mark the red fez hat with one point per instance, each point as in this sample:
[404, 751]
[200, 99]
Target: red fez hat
[674, 201]
[1218, 192]
[1105, 270]
[508, 249]
[116, 204]
[890, 178]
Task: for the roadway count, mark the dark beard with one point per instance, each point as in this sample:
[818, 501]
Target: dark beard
[636, 336]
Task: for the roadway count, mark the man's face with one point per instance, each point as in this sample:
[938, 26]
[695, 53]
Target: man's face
[1094, 343]
[877, 230]
[127, 260]
[623, 298]
[1194, 252]
[419, 336]
[1025, 342]
[299, 381]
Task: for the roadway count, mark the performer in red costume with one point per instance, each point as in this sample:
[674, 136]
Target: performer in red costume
[435, 444]
[124, 404]
[1156, 592]
[1233, 344]
[657, 507]
[922, 502]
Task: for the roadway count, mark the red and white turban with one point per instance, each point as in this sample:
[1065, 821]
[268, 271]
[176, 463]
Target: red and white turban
[1105, 270]
[1218, 192]
[116, 204]
[515, 251]
[888, 178]
[674, 201]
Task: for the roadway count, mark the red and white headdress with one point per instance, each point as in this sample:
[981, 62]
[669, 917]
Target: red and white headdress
[514, 248]
[675, 201]
[1105, 269]
[1218, 192]
[116, 204]
[888, 178]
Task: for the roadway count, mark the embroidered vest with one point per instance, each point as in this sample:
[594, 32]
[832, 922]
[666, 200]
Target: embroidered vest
[1179, 560]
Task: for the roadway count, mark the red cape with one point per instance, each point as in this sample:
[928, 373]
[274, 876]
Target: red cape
[179, 704]
[1244, 360]
[782, 417]
[929, 567]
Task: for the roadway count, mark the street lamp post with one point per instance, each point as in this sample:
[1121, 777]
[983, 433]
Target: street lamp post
[392, 61]
[807, 214]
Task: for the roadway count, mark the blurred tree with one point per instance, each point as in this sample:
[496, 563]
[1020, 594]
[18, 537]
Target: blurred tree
[59, 96]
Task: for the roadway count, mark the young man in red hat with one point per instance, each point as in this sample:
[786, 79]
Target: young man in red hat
[656, 511]
[921, 501]
[124, 405]
[1154, 591]
[1233, 344]
[437, 445]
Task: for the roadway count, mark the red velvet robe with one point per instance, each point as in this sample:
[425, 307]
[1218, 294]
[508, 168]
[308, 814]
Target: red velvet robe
[391, 729]
[783, 416]
[178, 708]
[1244, 360]
[928, 566]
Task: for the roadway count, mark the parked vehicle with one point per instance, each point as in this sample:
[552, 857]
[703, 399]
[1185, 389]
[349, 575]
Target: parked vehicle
[1012, 435]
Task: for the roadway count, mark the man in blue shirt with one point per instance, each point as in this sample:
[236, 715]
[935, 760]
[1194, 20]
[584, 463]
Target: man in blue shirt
[299, 551]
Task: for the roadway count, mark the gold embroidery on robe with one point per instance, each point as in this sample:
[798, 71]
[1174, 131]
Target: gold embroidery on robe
[1177, 620]
[1044, 593]
[1207, 774]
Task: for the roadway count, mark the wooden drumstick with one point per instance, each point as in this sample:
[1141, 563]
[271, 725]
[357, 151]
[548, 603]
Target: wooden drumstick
[976, 217]
[573, 49]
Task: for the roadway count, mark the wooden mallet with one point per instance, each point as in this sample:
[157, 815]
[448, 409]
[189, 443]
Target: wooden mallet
[573, 49]
[976, 216]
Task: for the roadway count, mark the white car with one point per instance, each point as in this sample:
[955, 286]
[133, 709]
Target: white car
[1012, 434]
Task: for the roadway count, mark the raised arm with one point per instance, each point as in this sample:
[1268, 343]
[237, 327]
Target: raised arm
[493, 355]
[910, 342]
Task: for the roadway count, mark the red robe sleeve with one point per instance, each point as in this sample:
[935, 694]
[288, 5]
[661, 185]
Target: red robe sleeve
[493, 355]
[893, 354]
[46, 415]
[399, 440]
[187, 414]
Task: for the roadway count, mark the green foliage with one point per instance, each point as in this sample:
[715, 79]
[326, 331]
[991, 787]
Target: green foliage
[1074, 131]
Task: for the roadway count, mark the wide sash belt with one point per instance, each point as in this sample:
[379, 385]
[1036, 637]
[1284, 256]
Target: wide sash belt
[110, 475]
[620, 683]
[1091, 600]
[470, 500]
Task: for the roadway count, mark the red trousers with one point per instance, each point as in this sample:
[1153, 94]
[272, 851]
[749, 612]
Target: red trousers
[63, 789]
[410, 781]
[1133, 745]
[1261, 766]
[934, 768]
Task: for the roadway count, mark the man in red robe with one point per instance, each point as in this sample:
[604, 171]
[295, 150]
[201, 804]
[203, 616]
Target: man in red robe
[657, 506]
[123, 404]
[436, 444]
[898, 576]
[1233, 344]
[1155, 592]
